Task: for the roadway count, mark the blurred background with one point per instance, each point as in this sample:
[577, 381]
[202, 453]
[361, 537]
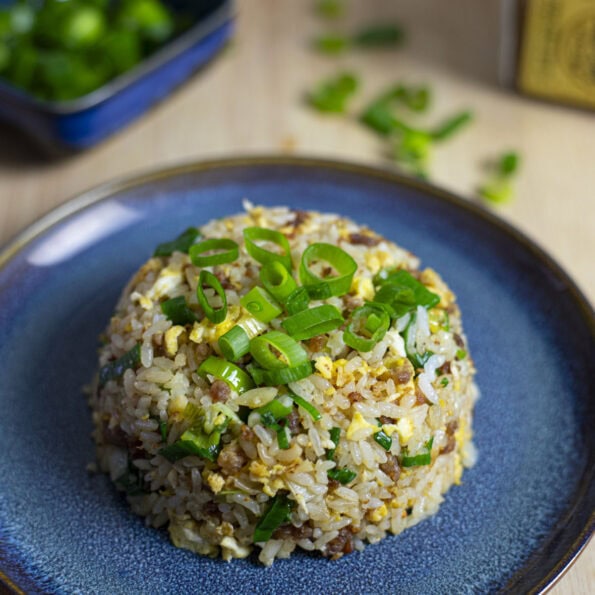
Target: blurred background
[492, 100]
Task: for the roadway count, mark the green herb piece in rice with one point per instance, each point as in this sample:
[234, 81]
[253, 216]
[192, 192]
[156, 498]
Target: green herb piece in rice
[114, 370]
[343, 476]
[420, 459]
[181, 244]
[277, 514]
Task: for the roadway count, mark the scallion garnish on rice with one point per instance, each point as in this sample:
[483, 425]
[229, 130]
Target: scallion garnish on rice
[234, 376]
[291, 353]
[235, 343]
[115, 369]
[368, 325]
[215, 315]
[177, 310]
[315, 321]
[336, 258]
[260, 304]
[422, 458]
[262, 255]
[278, 513]
[343, 476]
[312, 411]
[214, 251]
[277, 280]
[181, 244]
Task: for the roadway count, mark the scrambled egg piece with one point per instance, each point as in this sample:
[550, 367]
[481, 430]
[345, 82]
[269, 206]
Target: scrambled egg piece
[363, 287]
[404, 429]
[171, 339]
[378, 514]
[324, 365]
[206, 331]
[378, 259]
[216, 482]
[359, 428]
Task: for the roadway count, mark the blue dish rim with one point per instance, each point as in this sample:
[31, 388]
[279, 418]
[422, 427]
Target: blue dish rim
[176, 46]
[105, 191]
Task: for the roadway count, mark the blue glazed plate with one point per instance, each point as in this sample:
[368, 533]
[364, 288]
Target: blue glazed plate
[520, 516]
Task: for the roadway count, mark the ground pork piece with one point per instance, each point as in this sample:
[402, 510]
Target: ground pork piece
[458, 340]
[383, 419]
[444, 368]
[317, 343]
[342, 544]
[402, 374]
[391, 467]
[352, 302]
[364, 239]
[292, 532]
[451, 443]
[293, 422]
[420, 398]
[219, 391]
[231, 459]
[246, 433]
[354, 397]
[333, 484]
[224, 279]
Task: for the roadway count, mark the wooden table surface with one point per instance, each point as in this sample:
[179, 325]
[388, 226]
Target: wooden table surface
[249, 101]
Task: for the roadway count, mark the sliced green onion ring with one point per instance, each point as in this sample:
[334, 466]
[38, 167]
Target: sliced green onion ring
[235, 343]
[368, 319]
[262, 255]
[235, 377]
[277, 280]
[283, 437]
[225, 250]
[313, 322]
[261, 305]
[314, 413]
[343, 263]
[289, 349]
[280, 376]
[383, 439]
[297, 301]
[215, 315]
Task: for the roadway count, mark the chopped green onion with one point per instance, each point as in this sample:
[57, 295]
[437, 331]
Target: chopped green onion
[313, 322]
[291, 353]
[235, 377]
[181, 244]
[280, 376]
[116, 369]
[177, 310]
[496, 191]
[367, 327]
[276, 409]
[215, 315]
[163, 430]
[235, 343]
[283, 437]
[444, 381]
[338, 259]
[379, 118]
[252, 234]
[277, 280]
[261, 305]
[197, 443]
[331, 44]
[278, 513]
[379, 35]
[452, 125]
[221, 251]
[335, 434]
[330, 9]
[131, 481]
[403, 293]
[297, 301]
[423, 458]
[332, 95]
[313, 412]
[461, 354]
[343, 476]
[383, 439]
[508, 164]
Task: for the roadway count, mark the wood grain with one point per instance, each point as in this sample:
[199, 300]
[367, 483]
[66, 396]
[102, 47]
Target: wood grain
[249, 100]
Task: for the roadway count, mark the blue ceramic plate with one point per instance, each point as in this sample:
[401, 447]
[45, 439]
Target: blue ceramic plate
[520, 516]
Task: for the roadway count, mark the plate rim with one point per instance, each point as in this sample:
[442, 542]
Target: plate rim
[104, 191]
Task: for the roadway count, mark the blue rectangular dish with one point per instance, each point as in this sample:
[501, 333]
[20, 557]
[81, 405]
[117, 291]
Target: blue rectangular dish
[69, 126]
